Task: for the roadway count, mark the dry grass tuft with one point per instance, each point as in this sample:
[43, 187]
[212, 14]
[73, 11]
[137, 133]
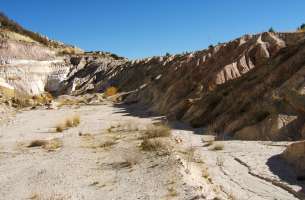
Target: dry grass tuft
[151, 145]
[107, 144]
[68, 123]
[21, 99]
[76, 120]
[60, 128]
[49, 145]
[155, 131]
[53, 144]
[124, 164]
[70, 102]
[155, 145]
[34, 197]
[128, 126]
[111, 91]
[37, 143]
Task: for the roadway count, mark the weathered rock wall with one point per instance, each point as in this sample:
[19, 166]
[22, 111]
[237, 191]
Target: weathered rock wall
[27, 67]
[249, 88]
[236, 88]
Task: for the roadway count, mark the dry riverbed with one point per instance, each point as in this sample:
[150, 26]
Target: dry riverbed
[102, 156]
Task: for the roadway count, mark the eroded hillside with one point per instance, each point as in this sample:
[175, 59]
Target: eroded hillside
[249, 88]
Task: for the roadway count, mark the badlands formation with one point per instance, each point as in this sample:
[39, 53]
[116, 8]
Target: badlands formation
[226, 122]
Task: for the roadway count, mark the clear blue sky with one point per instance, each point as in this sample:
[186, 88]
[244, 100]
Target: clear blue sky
[141, 28]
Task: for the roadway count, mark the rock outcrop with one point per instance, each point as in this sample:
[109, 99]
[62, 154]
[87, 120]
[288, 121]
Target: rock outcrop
[295, 156]
[32, 68]
[247, 88]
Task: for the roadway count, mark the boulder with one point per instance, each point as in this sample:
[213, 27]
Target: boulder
[274, 127]
[295, 156]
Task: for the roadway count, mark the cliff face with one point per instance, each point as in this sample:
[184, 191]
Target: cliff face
[30, 67]
[249, 88]
[25, 64]
[26, 67]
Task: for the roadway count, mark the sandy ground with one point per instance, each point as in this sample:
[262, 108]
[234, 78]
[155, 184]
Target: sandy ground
[82, 169]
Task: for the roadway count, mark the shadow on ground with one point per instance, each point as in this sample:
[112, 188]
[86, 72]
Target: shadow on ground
[285, 172]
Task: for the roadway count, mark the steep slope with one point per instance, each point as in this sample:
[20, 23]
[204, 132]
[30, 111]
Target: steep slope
[242, 88]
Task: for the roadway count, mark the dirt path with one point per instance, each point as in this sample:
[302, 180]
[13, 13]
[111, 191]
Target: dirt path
[84, 167]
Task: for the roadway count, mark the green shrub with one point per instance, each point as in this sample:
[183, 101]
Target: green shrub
[271, 30]
[302, 27]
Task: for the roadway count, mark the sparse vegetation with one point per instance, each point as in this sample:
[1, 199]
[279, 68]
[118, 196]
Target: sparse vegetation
[155, 145]
[37, 143]
[53, 144]
[99, 142]
[129, 161]
[70, 101]
[68, 123]
[49, 145]
[111, 91]
[20, 99]
[115, 56]
[59, 128]
[11, 25]
[301, 28]
[68, 51]
[107, 143]
[76, 120]
[271, 30]
[167, 54]
[132, 159]
[155, 131]
[125, 127]
[122, 165]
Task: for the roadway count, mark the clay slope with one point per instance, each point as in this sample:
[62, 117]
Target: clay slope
[247, 88]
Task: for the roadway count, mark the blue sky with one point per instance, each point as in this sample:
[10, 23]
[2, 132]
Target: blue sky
[142, 28]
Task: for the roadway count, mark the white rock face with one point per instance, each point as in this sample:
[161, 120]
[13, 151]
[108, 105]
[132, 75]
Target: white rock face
[33, 77]
[30, 68]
